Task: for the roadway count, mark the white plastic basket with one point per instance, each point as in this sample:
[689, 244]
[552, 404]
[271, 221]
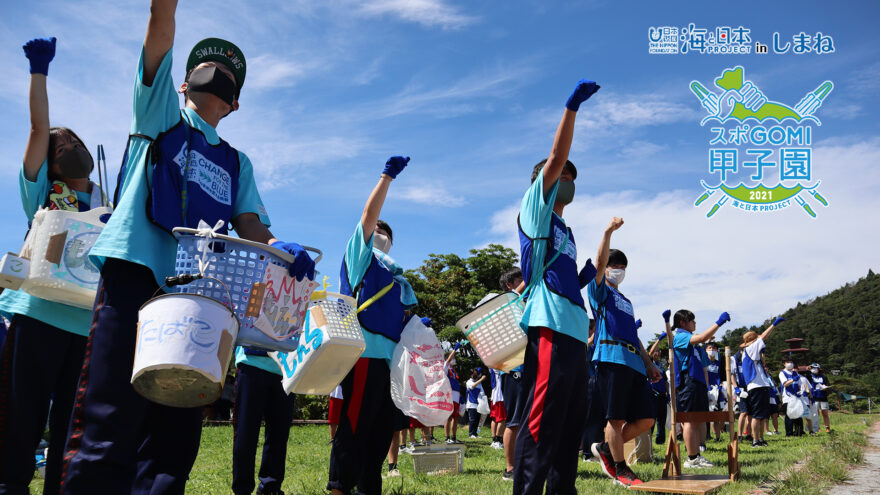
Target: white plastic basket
[328, 348]
[244, 266]
[58, 247]
[498, 340]
[439, 459]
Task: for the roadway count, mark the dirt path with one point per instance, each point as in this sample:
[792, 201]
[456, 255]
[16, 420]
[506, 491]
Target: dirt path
[865, 478]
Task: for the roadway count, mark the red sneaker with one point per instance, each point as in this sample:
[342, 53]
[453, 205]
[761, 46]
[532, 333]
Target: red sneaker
[603, 453]
[626, 477]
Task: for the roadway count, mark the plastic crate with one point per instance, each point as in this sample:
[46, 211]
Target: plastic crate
[241, 264]
[439, 459]
[328, 348]
[498, 340]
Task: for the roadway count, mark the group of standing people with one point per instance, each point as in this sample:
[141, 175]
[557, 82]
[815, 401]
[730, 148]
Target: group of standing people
[579, 374]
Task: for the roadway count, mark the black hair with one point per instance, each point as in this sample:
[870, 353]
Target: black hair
[713, 344]
[681, 317]
[508, 278]
[616, 257]
[568, 166]
[384, 226]
[54, 133]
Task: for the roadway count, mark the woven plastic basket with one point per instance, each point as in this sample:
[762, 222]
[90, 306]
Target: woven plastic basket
[328, 348]
[445, 459]
[498, 339]
[240, 264]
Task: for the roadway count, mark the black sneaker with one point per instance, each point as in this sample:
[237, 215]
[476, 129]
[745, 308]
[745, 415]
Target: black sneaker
[603, 453]
[507, 476]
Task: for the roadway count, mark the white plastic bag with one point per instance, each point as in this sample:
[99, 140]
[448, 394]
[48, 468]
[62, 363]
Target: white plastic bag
[419, 386]
[483, 404]
[795, 408]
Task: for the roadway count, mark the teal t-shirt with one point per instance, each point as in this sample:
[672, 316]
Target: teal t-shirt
[18, 302]
[130, 235]
[358, 255]
[265, 363]
[544, 307]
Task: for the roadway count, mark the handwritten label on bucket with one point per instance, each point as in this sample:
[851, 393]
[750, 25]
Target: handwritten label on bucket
[285, 301]
[200, 333]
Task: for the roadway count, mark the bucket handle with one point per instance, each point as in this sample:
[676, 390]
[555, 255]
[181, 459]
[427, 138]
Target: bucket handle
[188, 278]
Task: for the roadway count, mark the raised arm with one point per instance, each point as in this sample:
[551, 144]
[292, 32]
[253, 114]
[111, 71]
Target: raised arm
[562, 141]
[604, 246]
[769, 329]
[373, 208]
[707, 335]
[39, 52]
[159, 38]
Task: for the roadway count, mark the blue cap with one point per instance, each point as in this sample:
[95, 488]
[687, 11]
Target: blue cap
[815, 365]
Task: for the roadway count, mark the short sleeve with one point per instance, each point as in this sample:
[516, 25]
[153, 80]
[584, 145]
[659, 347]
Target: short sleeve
[358, 255]
[248, 199]
[681, 340]
[156, 107]
[34, 193]
[536, 211]
[597, 293]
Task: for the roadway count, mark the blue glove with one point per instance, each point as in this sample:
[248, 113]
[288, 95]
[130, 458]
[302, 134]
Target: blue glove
[456, 346]
[639, 323]
[582, 92]
[666, 315]
[724, 318]
[40, 51]
[662, 336]
[302, 263]
[778, 320]
[427, 322]
[395, 165]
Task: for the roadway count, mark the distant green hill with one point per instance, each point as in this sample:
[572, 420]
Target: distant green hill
[841, 329]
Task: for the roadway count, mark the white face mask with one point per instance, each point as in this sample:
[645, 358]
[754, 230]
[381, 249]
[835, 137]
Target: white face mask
[814, 371]
[789, 366]
[381, 242]
[615, 275]
[713, 355]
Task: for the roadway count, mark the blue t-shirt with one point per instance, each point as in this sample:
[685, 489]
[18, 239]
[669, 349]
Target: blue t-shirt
[545, 308]
[687, 357]
[265, 363]
[18, 302]
[130, 235]
[609, 304]
[358, 255]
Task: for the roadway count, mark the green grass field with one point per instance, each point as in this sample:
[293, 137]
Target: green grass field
[308, 454]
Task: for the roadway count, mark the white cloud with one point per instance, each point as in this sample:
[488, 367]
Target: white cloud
[637, 110]
[754, 266]
[270, 71]
[425, 12]
[430, 194]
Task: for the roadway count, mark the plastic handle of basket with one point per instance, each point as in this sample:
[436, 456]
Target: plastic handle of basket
[527, 290]
[375, 297]
[320, 294]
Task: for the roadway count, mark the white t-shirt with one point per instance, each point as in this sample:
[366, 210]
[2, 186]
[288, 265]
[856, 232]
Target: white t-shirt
[336, 393]
[497, 396]
[754, 352]
[471, 383]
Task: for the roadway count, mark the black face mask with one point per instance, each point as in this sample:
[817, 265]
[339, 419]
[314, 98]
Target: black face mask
[213, 80]
[75, 163]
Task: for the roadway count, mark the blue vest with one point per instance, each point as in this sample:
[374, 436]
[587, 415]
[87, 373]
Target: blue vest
[660, 386]
[815, 381]
[385, 316]
[740, 379]
[714, 370]
[693, 362]
[795, 387]
[561, 276]
[473, 395]
[192, 179]
[749, 368]
[620, 324]
[453, 380]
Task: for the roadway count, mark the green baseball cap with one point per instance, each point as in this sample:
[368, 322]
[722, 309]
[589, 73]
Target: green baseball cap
[221, 51]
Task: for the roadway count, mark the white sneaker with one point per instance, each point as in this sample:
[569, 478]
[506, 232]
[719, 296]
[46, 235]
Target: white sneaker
[702, 447]
[449, 441]
[693, 463]
[770, 433]
[474, 436]
[394, 473]
[704, 462]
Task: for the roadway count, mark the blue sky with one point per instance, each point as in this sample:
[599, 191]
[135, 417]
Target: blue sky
[472, 91]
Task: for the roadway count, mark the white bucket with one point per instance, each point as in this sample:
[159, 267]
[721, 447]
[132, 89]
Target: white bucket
[59, 245]
[328, 349]
[184, 345]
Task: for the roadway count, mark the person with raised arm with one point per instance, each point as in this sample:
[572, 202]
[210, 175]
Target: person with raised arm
[757, 381]
[623, 367]
[176, 172]
[47, 340]
[692, 393]
[554, 378]
[369, 415]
